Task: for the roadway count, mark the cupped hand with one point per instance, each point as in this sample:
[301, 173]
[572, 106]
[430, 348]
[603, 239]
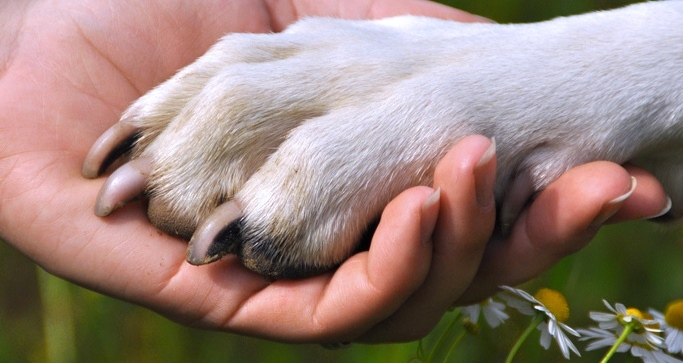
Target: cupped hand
[68, 70]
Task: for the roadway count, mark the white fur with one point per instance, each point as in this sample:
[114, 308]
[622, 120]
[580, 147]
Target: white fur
[313, 130]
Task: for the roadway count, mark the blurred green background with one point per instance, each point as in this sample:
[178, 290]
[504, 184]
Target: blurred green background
[44, 319]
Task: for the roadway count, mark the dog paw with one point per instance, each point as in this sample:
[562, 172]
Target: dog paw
[284, 148]
[275, 147]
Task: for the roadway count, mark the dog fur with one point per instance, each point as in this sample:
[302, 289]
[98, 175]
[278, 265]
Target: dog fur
[284, 148]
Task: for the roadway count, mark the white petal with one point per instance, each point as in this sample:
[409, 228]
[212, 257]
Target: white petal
[471, 312]
[545, 336]
[602, 339]
[494, 314]
[565, 344]
[674, 340]
[568, 329]
[601, 317]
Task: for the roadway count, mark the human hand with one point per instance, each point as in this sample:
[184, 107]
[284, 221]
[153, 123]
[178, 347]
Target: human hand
[467, 264]
[69, 70]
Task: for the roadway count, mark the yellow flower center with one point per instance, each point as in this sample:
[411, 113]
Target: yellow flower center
[674, 314]
[635, 313]
[639, 316]
[555, 302]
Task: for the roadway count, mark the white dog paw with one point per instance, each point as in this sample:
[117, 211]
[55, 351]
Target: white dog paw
[290, 130]
[284, 148]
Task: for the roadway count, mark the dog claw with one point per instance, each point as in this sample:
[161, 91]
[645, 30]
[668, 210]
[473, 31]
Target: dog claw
[217, 236]
[109, 146]
[124, 185]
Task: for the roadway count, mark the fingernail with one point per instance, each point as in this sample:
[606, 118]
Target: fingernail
[485, 176]
[613, 206]
[665, 210]
[427, 227]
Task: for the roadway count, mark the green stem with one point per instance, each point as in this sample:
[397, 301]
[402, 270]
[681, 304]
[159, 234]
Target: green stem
[627, 331]
[420, 356]
[443, 337]
[58, 318]
[455, 344]
[534, 323]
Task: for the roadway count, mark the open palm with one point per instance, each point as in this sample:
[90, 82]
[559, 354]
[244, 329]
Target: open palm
[69, 70]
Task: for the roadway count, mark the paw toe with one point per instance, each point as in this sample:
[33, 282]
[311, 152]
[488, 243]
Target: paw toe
[168, 220]
[226, 231]
[265, 259]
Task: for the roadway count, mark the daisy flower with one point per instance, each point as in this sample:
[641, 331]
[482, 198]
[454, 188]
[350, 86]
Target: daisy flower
[548, 307]
[672, 324]
[627, 330]
[494, 312]
[603, 338]
[674, 330]
[645, 329]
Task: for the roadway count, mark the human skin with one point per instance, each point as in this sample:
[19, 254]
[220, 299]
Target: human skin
[69, 69]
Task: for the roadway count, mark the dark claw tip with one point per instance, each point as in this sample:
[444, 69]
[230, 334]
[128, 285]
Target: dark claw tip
[226, 242]
[217, 236]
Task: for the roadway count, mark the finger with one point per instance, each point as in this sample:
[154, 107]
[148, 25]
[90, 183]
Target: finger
[385, 8]
[284, 13]
[363, 291]
[555, 225]
[647, 201]
[465, 177]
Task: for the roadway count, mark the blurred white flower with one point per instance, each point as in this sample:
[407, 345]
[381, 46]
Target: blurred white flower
[494, 312]
[672, 324]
